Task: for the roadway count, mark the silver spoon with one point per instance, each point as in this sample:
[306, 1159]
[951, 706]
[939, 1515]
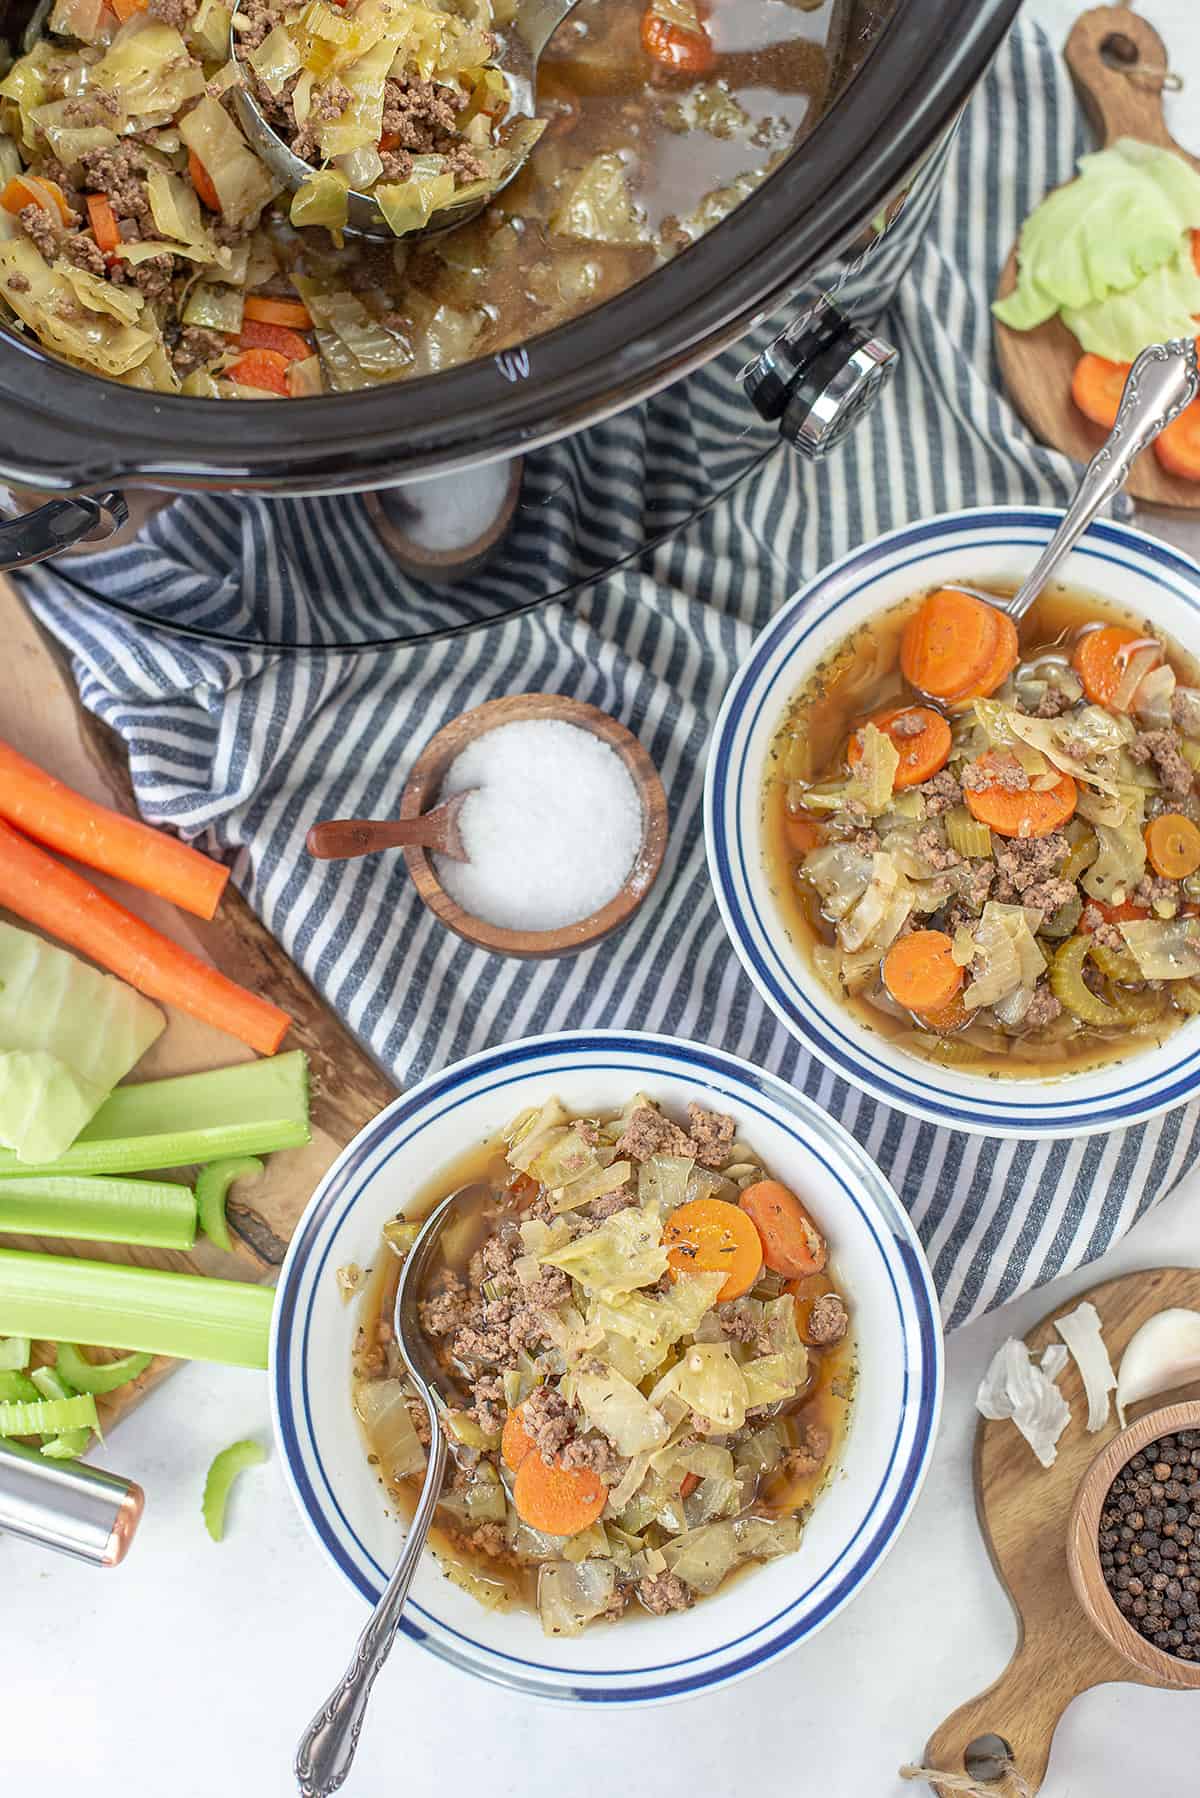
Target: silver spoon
[518, 51]
[1162, 382]
[326, 1751]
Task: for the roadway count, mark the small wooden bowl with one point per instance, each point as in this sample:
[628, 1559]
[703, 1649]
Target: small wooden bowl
[424, 786]
[1154, 1666]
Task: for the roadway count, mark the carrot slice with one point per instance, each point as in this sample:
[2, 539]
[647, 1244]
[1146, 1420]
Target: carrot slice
[688, 1484]
[1099, 660]
[515, 1441]
[710, 1236]
[1097, 387]
[266, 311]
[949, 644]
[1026, 812]
[997, 671]
[103, 221]
[125, 9]
[1173, 846]
[675, 46]
[1111, 914]
[802, 832]
[262, 368]
[202, 183]
[559, 1501]
[1178, 447]
[920, 972]
[35, 190]
[65, 905]
[922, 752]
[259, 336]
[61, 819]
[792, 1244]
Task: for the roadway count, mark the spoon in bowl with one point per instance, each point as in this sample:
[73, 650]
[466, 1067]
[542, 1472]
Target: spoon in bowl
[327, 1747]
[339, 839]
[1162, 382]
[518, 50]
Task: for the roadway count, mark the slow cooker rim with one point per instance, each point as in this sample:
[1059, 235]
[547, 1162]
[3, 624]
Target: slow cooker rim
[636, 343]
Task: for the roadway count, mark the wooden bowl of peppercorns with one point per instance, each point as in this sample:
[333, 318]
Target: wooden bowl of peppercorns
[1133, 1545]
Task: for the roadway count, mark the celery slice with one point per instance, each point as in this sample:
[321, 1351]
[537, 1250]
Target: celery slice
[229, 1463]
[16, 1386]
[103, 1304]
[251, 1109]
[212, 1189]
[49, 1416]
[69, 1444]
[106, 1376]
[152, 1214]
[14, 1353]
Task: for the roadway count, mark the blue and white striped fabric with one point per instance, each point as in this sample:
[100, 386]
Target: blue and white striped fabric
[245, 751]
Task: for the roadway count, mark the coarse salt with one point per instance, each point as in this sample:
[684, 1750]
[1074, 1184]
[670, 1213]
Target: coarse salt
[552, 830]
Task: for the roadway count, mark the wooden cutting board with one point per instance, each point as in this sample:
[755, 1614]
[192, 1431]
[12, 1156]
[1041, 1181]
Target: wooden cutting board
[1023, 1511]
[1037, 366]
[41, 716]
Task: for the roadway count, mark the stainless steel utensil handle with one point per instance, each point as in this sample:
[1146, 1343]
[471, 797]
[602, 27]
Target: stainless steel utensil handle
[1162, 381]
[326, 1751]
[77, 1510]
[60, 524]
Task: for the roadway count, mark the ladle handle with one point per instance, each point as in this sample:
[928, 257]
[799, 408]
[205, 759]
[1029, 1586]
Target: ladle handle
[58, 525]
[327, 1747]
[1162, 382]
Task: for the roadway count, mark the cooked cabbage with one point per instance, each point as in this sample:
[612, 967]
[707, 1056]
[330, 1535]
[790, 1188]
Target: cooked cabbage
[49, 304]
[149, 73]
[663, 1181]
[242, 182]
[711, 1384]
[215, 308]
[875, 911]
[1092, 725]
[598, 206]
[1005, 954]
[625, 1253]
[1164, 950]
[1121, 862]
[275, 60]
[702, 1558]
[570, 1595]
[383, 1411]
[122, 303]
[619, 1411]
[176, 210]
[875, 774]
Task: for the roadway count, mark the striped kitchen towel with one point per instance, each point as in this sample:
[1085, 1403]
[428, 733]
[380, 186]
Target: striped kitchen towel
[243, 750]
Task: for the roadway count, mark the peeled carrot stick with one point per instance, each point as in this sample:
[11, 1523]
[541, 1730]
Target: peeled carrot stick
[53, 814]
[65, 905]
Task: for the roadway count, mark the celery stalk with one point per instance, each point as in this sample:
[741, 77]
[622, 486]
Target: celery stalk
[228, 1464]
[54, 1298]
[14, 1353]
[251, 1109]
[212, 1190]
[152, 1214]
[101, 1376]
[69, 1444]
[16, 1386]
[48, 1416]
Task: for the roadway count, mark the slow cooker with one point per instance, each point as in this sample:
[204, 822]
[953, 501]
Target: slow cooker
[770, 310]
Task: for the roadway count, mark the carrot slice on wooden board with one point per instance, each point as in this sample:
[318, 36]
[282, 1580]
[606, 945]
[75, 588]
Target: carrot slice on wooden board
[266, 369]
[922, 751]
[515, 1442]
[202, 183]
[256, 335]
[949, 643]
[1173, 846]
[1024, 811]
[103, 221]
[1097, 387]
[53, 814]
[802, 833]
[710, 1236]
[559, 1501]
[267, 311]
[65, 905]
[675, 46]
[1100, 660]
[1006, 656]
[792, 1244]
[1178, 446]
[920, 972]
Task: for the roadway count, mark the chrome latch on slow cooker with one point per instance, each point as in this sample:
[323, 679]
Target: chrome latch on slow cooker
[819, 377]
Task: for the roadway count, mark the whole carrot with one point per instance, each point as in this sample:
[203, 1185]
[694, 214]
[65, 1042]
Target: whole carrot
[56, 815]
[65, 905]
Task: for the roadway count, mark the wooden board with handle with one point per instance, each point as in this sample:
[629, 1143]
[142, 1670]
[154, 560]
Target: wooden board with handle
[41, 716]
[1111, 54]
[1023, 1511]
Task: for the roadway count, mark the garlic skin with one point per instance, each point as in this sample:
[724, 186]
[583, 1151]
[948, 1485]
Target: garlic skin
[1080, 1330]
[1163, 1354]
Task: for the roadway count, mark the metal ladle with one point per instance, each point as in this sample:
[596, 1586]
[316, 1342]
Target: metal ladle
[326, 1751]
[518, 50]
[1162, 382]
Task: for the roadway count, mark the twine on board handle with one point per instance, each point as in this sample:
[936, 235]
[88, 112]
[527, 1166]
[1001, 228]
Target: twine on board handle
[1006, 1783]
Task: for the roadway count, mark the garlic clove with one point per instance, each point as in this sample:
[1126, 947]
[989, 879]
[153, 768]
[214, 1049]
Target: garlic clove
[1162, 1354]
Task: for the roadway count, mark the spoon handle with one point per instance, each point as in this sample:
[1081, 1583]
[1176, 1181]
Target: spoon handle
[340, 839]
[1162, 381]
[326, 1751]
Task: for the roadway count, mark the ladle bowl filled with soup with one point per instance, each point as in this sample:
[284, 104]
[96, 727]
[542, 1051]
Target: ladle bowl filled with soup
[961, 857]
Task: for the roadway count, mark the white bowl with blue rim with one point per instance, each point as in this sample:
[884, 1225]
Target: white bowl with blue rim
[995, 544]
[893, 1423]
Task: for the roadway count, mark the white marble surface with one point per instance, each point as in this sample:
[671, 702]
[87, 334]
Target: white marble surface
[190, 1670]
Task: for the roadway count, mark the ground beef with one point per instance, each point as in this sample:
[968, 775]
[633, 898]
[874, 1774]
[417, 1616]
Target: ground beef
[1043, 1007]
[178, 13]
[397, 165]
[256, 19]
[1049, 895]
[1024, 863]
[119, 173]
[332, 102]
[596, 1453]
[712, 1135]
[1108, 936]
[196, 348]
[932, 847]
[977, 885]
[808, 1456]
[45, 230]
[906, 724]
[494, 1259]
[940, 794]
[664, 1592]
[738, 1323]
[420, 113]
[18, 283]
[420, 1420]
[1001, 771]
[547, 1418]
[604, 1207]
[490, 1539]
[551, 1289]
[86, 254]
[827, 1321]
[1185, 711]
[1162, 748]
[648, 1133]
[617, 1605]
[1150, 890]
[447, 1309]
[869, 841]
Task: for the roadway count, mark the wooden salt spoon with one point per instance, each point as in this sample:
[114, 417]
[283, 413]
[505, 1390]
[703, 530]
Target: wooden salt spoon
[340, 839]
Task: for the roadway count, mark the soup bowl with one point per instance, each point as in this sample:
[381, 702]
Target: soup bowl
[1124, 567]
[855, 1521]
